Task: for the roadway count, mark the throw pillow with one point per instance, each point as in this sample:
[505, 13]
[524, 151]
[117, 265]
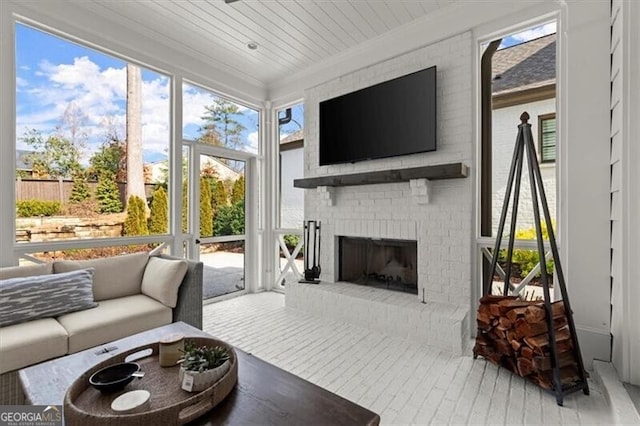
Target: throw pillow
[115, 276]
[26, 270]
[45, 296]
[162, 279]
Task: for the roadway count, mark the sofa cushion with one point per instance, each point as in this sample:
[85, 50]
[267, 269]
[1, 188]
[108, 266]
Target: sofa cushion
[162, 279]
[45, 296]
[25, 271]
[114, 319]
[31, 342]
[116, 276]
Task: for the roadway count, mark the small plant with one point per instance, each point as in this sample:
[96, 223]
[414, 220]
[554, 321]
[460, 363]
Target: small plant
[159, 218]
[202, 358]
[30, 208]
[136, 221]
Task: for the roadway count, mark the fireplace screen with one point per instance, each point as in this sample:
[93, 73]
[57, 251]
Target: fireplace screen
[381, 263]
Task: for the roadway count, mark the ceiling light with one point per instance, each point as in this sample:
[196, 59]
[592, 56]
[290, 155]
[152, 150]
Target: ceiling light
[252, 45]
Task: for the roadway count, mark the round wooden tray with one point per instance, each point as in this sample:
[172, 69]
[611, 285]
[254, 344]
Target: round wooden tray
[168, 405]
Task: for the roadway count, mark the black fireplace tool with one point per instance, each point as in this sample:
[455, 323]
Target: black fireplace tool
[311, 252]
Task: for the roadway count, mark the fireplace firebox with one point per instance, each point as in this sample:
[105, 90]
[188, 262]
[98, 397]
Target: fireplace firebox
[382, 263]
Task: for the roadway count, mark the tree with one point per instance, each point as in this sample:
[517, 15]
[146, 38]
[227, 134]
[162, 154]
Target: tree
[230, 220]
[53, 157]
[159, 219]
[111, 158]
[107, 194]
[136, 221]
[135, 167]
[220, 197]
[206, 212]
[221, 124]
[185, 205]
[80, 189]
[237, 193]
[72, 126]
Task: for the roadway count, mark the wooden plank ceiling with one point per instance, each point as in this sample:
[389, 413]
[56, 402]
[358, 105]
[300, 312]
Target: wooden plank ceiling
[291, 35]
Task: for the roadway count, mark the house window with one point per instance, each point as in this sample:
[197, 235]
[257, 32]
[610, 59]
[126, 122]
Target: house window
[547, 138]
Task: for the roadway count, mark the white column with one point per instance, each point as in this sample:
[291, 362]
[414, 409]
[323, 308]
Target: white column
[584, 190]
[7, 137]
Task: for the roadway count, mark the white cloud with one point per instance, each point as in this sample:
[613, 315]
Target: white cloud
[101, 96]
[253, 139]
[535, 32]
[193, 103]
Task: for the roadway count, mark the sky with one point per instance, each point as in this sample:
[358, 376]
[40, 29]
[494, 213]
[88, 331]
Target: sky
[53, 74]
[530, 34]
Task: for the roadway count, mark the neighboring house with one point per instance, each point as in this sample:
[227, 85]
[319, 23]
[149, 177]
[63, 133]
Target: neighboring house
[291, 167]
[524, 79]
[23, 168]
[156, 172]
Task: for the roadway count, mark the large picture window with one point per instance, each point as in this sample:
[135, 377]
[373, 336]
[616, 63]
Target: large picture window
[92, 144]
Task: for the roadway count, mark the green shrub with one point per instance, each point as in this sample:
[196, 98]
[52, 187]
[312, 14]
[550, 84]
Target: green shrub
[291, 241]
[527, 259]
[206, 211]
[219, 194]
[185, 206]
[136, 221]
[159, 219]
[229, 220]
[80, 189]
[29, 208]
[237, 193]
[107, 194]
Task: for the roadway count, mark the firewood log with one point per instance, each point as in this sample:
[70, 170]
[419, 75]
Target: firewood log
[527, 329]
[515, 313]
[541, 342]
[568, 375]
[526, 352]
[525, 366]
[543, 363]
[534, 314]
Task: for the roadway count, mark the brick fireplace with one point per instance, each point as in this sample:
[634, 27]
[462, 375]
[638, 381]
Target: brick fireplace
[378, 263]
[434, 214]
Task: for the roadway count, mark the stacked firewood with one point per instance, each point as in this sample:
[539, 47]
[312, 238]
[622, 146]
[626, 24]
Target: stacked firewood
[513, 333]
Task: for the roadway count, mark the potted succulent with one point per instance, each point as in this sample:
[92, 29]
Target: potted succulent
[202, 366]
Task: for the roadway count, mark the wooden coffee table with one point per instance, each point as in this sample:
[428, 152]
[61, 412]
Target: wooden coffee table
[264, 393]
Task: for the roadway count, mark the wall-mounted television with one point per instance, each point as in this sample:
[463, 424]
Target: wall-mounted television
[392, 118]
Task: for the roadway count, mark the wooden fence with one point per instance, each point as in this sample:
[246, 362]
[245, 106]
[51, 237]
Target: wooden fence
[60, 189]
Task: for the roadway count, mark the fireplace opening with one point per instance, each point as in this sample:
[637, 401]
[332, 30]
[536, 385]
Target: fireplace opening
[381, 263]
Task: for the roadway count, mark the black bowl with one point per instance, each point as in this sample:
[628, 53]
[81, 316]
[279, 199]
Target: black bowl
[114, 377]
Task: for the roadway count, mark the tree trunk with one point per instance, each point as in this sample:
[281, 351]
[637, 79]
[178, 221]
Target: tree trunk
[135, 166]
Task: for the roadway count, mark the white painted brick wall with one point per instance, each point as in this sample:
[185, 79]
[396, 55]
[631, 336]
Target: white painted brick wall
[442, 226]
[441, 325]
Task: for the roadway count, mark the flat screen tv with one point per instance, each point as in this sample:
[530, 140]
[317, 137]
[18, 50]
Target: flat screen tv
[396, 117]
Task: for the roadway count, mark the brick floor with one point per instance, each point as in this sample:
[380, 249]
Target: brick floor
[403, 381]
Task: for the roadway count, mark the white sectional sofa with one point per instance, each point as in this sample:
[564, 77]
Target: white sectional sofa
[126, 294]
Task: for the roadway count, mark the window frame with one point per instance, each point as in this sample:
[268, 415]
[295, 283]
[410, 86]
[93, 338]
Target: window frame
[541, 119]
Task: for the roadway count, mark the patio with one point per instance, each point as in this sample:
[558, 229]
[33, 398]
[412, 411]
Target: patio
[401, 380]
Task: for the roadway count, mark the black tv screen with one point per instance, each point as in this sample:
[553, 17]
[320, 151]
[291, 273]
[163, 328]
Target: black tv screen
[396, 117]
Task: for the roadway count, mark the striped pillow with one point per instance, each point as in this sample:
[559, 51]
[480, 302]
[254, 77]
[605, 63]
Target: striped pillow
[45, 296]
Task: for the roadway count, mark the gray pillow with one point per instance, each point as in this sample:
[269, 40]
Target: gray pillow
[45, 296]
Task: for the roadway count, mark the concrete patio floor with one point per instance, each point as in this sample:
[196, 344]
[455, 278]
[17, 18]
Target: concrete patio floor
[403, 381]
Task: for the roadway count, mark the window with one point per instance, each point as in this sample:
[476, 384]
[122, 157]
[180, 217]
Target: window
[547, 138]
[92, 143]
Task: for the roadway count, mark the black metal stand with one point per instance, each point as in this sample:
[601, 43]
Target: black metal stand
[311, 252]
[524, 143]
